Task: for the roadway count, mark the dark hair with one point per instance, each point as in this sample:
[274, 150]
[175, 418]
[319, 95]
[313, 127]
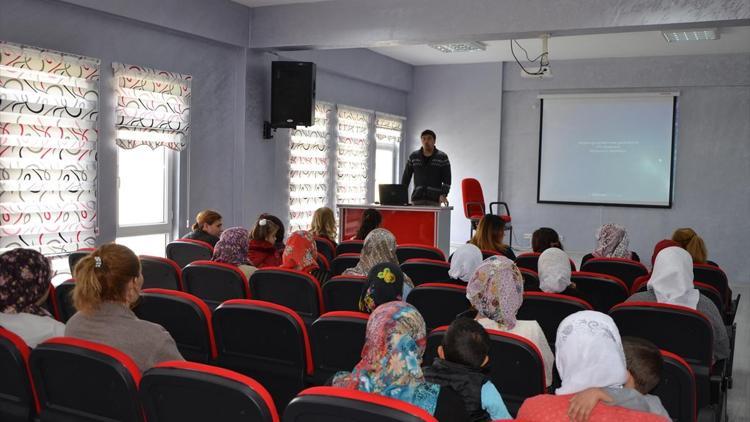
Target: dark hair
[261, 231]
[644, 362]
[279, 224]
[205, 217]
[428, 132]
[545, 238]
[466, 343]
[487, 235]
[371, 219]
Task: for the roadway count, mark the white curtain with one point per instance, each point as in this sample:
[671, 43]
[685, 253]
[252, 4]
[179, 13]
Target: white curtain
[351, 155]
[48, 135]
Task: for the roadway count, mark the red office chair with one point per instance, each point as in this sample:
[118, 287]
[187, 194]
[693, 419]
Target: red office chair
[474, 209]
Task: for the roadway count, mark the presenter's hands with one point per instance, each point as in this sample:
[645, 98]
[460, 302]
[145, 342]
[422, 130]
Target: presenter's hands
[443, 200]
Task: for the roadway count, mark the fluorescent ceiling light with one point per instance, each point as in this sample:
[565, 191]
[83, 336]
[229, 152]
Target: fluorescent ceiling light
[696, 35]
[460, 47]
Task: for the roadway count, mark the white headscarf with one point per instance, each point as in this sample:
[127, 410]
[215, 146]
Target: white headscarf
[589, 353]
[672, 278]
[465, 261]
[554, 270]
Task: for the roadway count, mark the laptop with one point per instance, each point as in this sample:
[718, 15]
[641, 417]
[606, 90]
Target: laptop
[396, 194]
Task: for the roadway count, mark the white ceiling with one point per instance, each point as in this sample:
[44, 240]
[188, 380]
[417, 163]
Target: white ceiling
[629, 44]
[259, 3]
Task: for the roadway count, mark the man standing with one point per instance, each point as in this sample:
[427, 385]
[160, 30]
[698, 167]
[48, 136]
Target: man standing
[432, 173]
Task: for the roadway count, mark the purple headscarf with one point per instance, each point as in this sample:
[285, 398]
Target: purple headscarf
[232, 246]
[496, 290]
[24, 279]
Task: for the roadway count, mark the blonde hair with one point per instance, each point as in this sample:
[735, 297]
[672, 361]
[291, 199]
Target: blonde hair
[323, 223]
[263, 228]
[103, 275]
[205, 217]
[691, 242]
[488, 234]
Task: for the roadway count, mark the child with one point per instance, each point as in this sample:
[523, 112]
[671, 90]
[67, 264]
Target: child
[644, 363]
[262, 252]
[463, 354]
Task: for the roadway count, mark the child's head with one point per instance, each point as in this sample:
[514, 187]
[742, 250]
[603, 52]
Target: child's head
[264, 229]
[466, 343]
[644, 362]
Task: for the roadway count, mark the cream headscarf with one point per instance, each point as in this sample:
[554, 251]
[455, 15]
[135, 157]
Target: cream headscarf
[554, 270]
[672, 278]
[465, 261]
[379, 247]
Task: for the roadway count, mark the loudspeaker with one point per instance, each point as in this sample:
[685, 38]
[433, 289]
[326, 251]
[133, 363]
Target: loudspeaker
[292, 94]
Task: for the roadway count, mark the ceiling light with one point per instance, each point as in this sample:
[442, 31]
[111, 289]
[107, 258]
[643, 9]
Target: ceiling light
[460, 47]
[697, 35]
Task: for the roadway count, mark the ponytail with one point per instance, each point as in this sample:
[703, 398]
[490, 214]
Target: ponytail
[691, 242]
[205, 217]
[103, 276]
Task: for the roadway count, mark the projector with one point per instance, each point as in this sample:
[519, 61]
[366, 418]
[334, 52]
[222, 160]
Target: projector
[542, 72]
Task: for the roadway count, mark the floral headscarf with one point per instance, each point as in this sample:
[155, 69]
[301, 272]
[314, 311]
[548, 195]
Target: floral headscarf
[391, 362]
[24, 279]
[385, 283]
[496, 290]
[232, 246]
[612, 242]
[379, 247]
[300, 252]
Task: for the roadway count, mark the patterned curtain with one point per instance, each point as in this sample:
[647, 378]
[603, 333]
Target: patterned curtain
[48, 135]
[388, 130]
[153, 107]
[308, 169]
[351, 156]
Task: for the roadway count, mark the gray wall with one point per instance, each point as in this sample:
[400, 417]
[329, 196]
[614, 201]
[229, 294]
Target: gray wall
[462, 104]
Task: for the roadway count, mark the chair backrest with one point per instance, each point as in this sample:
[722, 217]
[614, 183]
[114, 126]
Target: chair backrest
[676, 389]
[341, 293]
[323, 262]
[186, 317]
[530, 260]
[64, 297]
[325, 247]
[486, 253]
[626, 270]
[549, 309]
[473, 198]
[439, 303]
[160, 273]
[76, 256]
[530, 280]
[422, 270]
[265, 341]
[215, 282]
[343, 262]
[184, 391]
[640, 284]
[78, 380]
[710, 292]
[713, 276]
[18, 402]
[337, 339]
[185, 251]
[51, 304]
[409, 251]
[318, 404]
[349, 246]
[516, 365]
[296, 290]
[604, 291]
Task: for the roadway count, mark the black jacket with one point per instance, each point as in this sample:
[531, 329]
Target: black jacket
[201, 235]
[465, 381]
[432, 175]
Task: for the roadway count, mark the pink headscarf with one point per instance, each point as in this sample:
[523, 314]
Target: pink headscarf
[612, 242]
[496, 290]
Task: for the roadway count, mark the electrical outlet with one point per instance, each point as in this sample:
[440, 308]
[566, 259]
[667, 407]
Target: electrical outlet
[527, 236]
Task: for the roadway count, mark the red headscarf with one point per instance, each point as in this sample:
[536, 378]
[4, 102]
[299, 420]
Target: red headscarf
[663, 244]
[300, 252]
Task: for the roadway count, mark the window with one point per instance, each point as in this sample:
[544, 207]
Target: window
[351, 156]
[48, 135]
[388, 131]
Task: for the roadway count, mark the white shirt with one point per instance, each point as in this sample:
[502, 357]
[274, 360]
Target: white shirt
[33, 329]
[530, 330]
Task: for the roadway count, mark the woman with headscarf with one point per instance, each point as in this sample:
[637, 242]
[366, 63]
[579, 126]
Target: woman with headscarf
[391, 363]
[496, 292]
[612, 242]
[660, 246]
[671, 282]
[464, 262]
[24, 285]
[385, 283]
[300, 252]
[232, 249]
[379, 247]
[589, 355]
[554, 274]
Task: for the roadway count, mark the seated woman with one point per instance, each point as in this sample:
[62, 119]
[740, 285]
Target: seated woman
[108, 284]
[490, 234]
[371, 220]
[280, 233]
[689, 240]
[589, 355]
[300, 252]
[24, 286]
[324, 224]
[496, 292]
[545, 238]
[672, 282]
[391, 363]
[232, 249]
[379, 247]
[207, 227]
[262, 250]
[554, 274]
[464, 262]
[385, 283]
[611, 242]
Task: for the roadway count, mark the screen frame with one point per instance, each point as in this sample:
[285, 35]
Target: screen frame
[609, 204]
